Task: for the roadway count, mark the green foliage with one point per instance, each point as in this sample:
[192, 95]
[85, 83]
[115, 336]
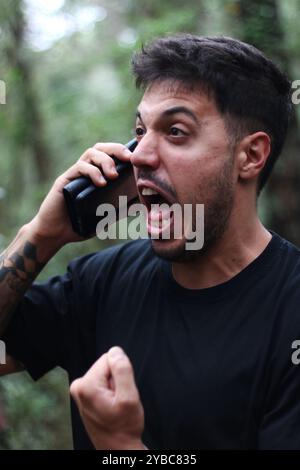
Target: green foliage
[37, 413]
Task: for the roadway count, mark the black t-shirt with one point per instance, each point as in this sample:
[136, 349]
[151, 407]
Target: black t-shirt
[213, 366]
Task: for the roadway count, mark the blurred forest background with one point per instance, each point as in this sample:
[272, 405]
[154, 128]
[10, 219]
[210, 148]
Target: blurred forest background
[66, 65]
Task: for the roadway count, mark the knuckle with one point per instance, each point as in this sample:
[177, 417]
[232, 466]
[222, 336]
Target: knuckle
[109, 164]
[80, 391]
[76, 388]
[119, 147]
[122, 148]
[95, 171]
[98, 145]
[87, 154]
[79, 165]
[122, 365]
[58, 181]
[127, 404]
[106, 157]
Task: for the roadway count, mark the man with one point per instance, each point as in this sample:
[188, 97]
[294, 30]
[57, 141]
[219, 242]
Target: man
[174, 349]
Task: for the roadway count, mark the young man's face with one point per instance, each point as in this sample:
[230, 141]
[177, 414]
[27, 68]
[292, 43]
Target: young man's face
[184, 154]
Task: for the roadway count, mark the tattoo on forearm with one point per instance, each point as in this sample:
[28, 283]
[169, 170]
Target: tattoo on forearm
[18, 268]
[22, 266]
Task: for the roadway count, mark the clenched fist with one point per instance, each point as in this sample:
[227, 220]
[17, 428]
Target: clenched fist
[109, 403]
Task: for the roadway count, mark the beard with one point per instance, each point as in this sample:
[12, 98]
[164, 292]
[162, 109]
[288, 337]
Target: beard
[218, 203]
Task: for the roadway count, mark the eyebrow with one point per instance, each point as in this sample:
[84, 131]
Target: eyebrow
[174, 110]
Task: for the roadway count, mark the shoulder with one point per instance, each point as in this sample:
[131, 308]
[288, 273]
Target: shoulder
[286, 290]
[289, 267]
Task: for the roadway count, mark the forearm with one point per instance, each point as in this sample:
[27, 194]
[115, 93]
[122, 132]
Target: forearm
[20, 264]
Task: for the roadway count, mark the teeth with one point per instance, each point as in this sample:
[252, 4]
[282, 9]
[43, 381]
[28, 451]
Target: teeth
[148, 192]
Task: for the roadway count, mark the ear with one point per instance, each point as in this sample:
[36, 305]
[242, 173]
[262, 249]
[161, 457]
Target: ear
[253, 152]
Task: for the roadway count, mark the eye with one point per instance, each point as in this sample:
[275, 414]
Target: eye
[139, 131]
[174, 131]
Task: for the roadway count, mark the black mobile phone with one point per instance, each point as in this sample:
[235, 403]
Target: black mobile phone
[82, 197]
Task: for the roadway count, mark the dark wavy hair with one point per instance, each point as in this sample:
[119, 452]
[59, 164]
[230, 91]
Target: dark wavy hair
[249, 90]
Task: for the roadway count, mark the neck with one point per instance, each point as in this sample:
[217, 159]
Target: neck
[242, 242]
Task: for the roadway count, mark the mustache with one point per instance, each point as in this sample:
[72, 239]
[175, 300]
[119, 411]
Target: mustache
[158, 182]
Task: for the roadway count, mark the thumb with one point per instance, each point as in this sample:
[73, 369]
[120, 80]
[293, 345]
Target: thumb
[122, 373]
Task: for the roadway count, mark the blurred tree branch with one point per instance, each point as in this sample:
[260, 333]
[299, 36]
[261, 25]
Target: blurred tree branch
[13, 21]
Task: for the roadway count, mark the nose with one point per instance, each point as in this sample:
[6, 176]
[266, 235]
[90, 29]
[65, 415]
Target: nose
[146, 153]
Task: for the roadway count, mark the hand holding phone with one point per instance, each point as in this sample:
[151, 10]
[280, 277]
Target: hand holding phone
[82, 196]
[55, 224]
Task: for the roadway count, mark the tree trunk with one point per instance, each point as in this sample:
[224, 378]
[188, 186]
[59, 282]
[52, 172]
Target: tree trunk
[29, 115]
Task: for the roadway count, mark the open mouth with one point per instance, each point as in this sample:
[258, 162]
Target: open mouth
[151, 197]
[159, 215]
